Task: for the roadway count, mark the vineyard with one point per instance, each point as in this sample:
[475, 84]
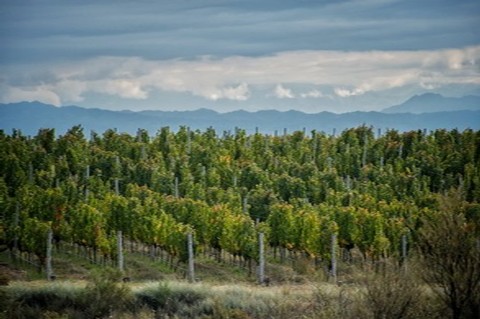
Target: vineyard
[370, 191]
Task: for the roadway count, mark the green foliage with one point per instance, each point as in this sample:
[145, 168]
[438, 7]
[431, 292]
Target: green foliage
[297, 186]
[33, 302]
[105, 294]
[170, 300]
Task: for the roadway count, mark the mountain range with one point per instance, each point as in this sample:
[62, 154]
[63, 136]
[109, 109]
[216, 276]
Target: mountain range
[432, 102]
[29, 117]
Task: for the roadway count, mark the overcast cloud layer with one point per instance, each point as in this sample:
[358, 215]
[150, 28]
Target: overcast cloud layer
[225, 55]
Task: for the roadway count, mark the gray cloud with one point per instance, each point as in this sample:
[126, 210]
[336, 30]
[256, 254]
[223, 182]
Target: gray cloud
[346, 74]
[49, 30]
[236, 54]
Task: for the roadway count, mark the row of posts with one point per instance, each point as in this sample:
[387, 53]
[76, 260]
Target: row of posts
[120, 261]
[191, 259]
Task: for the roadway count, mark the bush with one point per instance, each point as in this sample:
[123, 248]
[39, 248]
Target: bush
[450, 254]
[33, 302]
[4, 279]
[106, 294]
[171, 300]
[393, 293]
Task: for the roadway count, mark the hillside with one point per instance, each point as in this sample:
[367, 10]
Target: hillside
[431, 103]
[29, 117]
[295, 209]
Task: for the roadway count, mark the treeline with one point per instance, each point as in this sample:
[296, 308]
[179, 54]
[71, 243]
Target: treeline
[368, 188]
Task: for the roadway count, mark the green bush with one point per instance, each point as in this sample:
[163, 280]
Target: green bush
[4, 279]
[170, 299]
[106, 294]
[33, 302]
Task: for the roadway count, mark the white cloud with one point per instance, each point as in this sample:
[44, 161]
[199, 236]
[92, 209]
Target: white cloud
[41, 94]
[71, 91]
[346, 93]
[345, 73]
[312, 94]
[121, 87]
[235, 93]
[283, 93]
[238, 93]
[428, 86]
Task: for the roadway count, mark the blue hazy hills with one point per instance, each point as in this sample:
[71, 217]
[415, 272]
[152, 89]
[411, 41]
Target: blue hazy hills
[437, 112]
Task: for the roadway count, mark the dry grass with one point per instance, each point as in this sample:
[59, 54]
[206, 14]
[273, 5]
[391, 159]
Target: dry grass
[172, 298]
[232, 294]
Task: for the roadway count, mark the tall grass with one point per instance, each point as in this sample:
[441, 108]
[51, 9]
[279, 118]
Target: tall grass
[384, 295]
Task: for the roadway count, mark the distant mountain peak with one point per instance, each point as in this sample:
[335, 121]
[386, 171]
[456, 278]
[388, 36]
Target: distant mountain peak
[31, 103]
[29, 118]
[434, 102]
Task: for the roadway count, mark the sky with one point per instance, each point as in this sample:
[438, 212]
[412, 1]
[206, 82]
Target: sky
[310, 56]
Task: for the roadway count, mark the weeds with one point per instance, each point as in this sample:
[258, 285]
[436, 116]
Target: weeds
[390, 294]
[170, 300]
[105, 294]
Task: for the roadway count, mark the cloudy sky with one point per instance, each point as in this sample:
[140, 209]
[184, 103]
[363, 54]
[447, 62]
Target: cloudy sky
[304, 55]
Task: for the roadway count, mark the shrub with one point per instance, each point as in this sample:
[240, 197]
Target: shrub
[106, 294]
[392, 293]
[449, 249]
[4, 279]
[177, 299]
[31, 302]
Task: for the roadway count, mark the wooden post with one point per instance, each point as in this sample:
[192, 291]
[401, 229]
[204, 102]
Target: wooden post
[87, 176]
[48, 261]
[53, 171]
[404, 251]
[261, 260]
[176, 188]
[139, 135]
[30, 173]
[329, 163]
[348, 183]
[15, 225]
[333, 272]
[364, 155]
[120, 250]
[245, 204]
[117, 187]
[189, 141]
[191, 261]
[15, 234]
